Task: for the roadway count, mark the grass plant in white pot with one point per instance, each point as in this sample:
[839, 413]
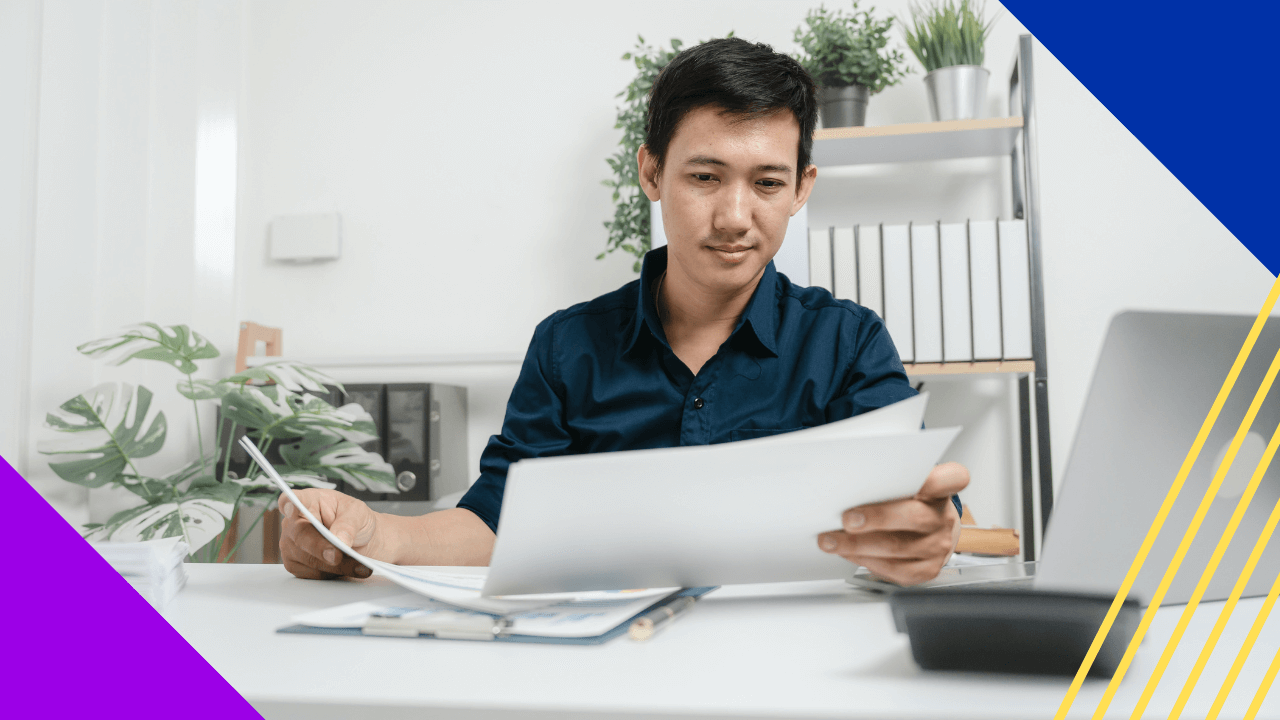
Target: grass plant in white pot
[846, 55]
[948, 37]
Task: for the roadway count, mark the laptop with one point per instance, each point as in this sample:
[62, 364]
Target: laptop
[1156, 379]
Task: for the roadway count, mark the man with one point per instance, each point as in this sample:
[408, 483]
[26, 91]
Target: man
[710, 345]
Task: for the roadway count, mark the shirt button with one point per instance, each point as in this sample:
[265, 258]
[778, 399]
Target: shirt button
[698, 403]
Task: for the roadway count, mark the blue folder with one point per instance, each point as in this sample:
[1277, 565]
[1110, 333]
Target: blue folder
[620, 629]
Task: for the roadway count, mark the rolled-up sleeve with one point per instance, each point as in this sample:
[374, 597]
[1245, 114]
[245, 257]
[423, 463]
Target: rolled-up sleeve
[534, 426]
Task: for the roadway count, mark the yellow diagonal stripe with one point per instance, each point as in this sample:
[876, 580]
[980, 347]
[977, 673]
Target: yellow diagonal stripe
[1187, 538]
[1207, 575]
[1170, 497]
[1243, 655]
[1225, 614]
[1259, 696]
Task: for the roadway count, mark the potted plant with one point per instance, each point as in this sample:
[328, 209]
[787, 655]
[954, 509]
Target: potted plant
[105, 429]
[631, 227]
[947, 37]
[846, 56]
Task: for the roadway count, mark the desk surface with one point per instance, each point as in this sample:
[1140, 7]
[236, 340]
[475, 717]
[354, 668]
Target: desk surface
[794, 650]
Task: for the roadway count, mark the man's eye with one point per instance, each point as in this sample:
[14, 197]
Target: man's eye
[702, 177]
[771, 183]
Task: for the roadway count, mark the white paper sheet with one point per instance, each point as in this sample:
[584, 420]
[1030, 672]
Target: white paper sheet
[455, 589]
[902, 417]
[585, 616]
[740, 512]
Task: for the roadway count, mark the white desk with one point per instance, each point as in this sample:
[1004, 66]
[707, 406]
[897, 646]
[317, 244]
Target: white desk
[800, 650]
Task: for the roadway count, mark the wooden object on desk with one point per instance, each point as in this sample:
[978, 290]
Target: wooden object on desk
[986, 541]
[271, 537]
[989, 541]
[251, 334]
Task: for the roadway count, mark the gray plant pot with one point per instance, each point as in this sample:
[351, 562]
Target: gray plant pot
[844, 106]
[957, 92]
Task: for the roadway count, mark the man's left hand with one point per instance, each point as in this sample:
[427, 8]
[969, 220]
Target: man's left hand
[904, 541]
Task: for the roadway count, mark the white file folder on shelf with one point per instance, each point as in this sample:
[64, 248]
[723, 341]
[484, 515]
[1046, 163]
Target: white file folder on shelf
[898, 314]
[844, 269]
[926, 288]
[870, 278]
[953, 249]
[1015, 288]
[820, 258]
[984, 282]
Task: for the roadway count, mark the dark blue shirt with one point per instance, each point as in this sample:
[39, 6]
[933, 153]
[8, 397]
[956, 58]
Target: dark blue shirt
[600, 376]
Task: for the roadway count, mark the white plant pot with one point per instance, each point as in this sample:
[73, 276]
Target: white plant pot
[958, 92]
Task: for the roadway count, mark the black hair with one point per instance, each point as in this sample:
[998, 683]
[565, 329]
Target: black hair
[746, 79]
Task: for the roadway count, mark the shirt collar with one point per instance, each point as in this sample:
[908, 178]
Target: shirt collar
[758, 321]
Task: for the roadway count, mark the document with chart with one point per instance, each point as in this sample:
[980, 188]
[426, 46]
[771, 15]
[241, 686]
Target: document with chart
[576, 617]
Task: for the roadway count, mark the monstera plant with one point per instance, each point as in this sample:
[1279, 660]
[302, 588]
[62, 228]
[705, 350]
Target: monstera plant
[105, 429]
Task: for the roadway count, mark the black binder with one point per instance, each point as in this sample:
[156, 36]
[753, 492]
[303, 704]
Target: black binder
[422, 430]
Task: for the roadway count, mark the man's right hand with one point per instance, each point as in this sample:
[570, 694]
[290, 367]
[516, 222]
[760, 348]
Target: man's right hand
[308, 555]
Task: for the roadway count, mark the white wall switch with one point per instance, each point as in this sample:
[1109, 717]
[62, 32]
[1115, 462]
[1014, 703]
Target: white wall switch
[306, 238]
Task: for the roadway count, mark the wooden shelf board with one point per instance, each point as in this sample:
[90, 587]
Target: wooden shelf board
[397, 360]
[915, 142]
[971, 368]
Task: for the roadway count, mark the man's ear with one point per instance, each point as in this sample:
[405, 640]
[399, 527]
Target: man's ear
[648, 165]
[807, 179]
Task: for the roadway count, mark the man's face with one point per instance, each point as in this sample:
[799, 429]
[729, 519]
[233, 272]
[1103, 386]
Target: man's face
[728, 187]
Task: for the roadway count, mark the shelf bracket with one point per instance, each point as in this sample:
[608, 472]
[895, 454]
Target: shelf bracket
[1027, 206]
[1015, 155]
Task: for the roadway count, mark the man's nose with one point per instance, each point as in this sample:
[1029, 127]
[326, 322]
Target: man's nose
[733, 211]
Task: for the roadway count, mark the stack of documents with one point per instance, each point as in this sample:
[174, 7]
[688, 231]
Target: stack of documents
[153, 567]
[576, 532]
[453, 605]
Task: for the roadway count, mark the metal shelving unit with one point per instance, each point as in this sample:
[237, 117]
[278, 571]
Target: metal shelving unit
[1014, 137]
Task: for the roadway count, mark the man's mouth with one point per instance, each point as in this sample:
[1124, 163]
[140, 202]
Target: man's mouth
[732, 253]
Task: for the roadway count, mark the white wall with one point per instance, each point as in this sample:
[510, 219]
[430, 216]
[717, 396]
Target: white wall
[464, 145]
[132, 205]
[20, 23]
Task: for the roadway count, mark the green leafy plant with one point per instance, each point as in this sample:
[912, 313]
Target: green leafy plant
[947, 33]
[630, 228]
[841, 49]
[106, 428]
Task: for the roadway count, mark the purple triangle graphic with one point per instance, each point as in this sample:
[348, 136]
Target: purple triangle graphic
[115, 656]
